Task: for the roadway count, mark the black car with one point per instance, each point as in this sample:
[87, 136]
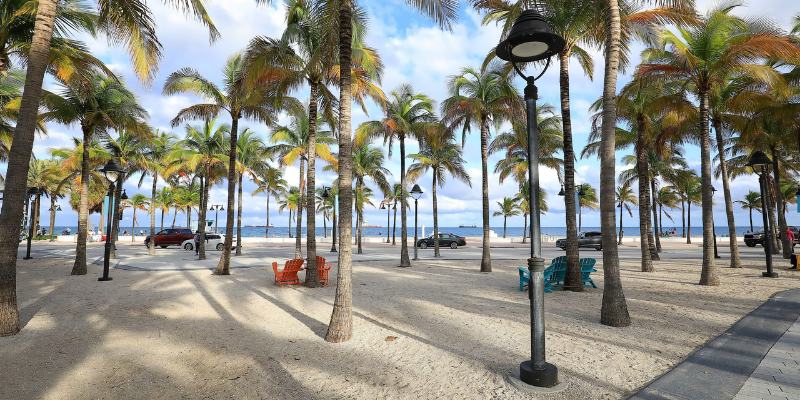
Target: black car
[445, 240]
[753, 239]
[585, 239]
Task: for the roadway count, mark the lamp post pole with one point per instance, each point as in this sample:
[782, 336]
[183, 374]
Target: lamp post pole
[109, 234]
[713, 225]
[216, 208]
[531, 39]
[326, 193]
[416, 193]
[388, 225]
[759, 162]
[31, 194]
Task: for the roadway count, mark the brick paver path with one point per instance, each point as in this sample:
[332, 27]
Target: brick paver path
[778, 375]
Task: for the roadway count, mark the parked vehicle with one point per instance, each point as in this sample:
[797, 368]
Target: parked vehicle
[170, 237]
[213, 241]
[753, 239]
[591, 239]
[445, 240]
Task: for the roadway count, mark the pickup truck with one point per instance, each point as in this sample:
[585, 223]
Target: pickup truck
[169, 237]
[591, 239]
[753, 239]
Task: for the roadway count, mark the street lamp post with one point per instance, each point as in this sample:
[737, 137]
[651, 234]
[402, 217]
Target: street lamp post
[32, 192]
[326, 193]
[112, 172]
[531, 39]
[579, 193]
[385, 206]
[713, 225]
[416, 193]
[759, 162]
[216, 208]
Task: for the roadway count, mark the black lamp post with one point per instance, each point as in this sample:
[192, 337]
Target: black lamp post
[416, 193]
[216, 208]
[112, 172]
[759, 162]
[385, 206]
[714, 225]
[531, 39]
[326, 193]
[579, 192]
[32, 192]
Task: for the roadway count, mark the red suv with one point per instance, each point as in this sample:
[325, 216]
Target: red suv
[170, 237]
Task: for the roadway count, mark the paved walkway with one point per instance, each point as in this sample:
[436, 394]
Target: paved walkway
[757, 358]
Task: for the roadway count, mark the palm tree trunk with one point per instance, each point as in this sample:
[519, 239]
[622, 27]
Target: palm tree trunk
[162, 219]
[266, 230]
[656, 222]
[689, 222]
[619, 241]
[201, 225]
[102, 213]
[644, 197]
[312, 277]
[751, 220]
[614, 309]
[394, 224]
[115, 217]
[334, 235]
[239, 218]
[683, 219]
[404, 261]
[325, 225]
[524, 227]
[53, 218]
[359, 217]
[79, 268]
[781, 206]
[19, 163]
[133, 223]
[152, 249]
[776, 244]
[291, 216]
[486, 259]
[224, 265]
[340, 328]
[434, 183]
[736, 261]
[298, 238]
[708, 275]
[572, 280]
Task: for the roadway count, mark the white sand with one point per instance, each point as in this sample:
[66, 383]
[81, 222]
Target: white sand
[459, 333]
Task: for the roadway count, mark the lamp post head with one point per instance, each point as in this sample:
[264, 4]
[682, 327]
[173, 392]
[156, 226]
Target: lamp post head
[383, 205]
[713, 189]
[112, 170]
[326, 192]
[416, 192]
[758, 159]
[530, 39]
[561, 192]
[124, 195]
[581, 191]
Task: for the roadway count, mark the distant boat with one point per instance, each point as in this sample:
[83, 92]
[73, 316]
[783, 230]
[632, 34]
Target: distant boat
[467, 226]
[372, 226]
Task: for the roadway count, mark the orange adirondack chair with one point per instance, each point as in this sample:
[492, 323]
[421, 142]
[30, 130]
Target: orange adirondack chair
[289, 274]
[323, 268]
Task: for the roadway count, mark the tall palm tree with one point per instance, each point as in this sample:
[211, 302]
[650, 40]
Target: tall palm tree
[689, 189]
[367, 163]
[165, 200]
[252, 153]
[721, 44]
[158, 147]
[98, 106]
[203, 151]
[127, 22]
[481, 99]
[665, 197]
[136, 202]
[269, 180]
[292, 142]
[290, 201]
[128, 149]
[442, 156]
[325, 207]
[751, 201]
[506, 208]
[238, 101]
[407, 114]
[625, 199]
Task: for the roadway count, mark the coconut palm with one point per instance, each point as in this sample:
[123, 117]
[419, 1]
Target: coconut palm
[251, 154]
[128, 148]
[721, 44]
[97, 106]
[625, 199]
[689, 189]
[187, 197]
[396, 195]
[665, 197]
[290, 201]
[165, 200]
[202, 151]
[751, 201]
[136, 202]
[269, 180]
[442, 156]
[158, 147]
[481, 99]
[238, 101]
[367, 163]
[506, 208]
[325, 207]
[407, 114]
[291, 144]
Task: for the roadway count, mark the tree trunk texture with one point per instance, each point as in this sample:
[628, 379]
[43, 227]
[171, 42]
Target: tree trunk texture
[656, 223]
[619, 240]
[486, 258]
[736, 261]
[394, 224]
[708, 275]
[781, 206]
[312, 277]
[79, 268]
[614, 309]
[201, 225]
[53, 218]
[115, 217]
[776, 244]
[404, 260]
[224, 265]
[572, 280]
[298, 229]
[154, 191]
[266, 230]
[239, 217]
[340, 328]
[644, 197]
[435, 179]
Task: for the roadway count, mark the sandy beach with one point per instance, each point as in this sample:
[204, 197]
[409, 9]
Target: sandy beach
[165, 328]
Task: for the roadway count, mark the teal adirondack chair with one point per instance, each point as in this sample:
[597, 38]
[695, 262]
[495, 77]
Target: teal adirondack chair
[587, 267]
[557, 264]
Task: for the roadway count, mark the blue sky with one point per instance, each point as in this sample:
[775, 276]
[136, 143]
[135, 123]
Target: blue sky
[415, 51]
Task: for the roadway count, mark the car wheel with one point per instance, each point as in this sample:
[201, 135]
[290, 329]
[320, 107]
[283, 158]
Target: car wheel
[750, 244]
[598, 248]
[454, 245]
[188, 246]
[163, 247]
[220, 246]
[423, 245]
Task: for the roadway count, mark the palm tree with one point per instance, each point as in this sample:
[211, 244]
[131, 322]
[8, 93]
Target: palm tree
[98, 106]
[406, 115]
[397, 195]
[751, 201]
[269, 181]
[292, 144]
[137, 202]
[689, 189]
[238, 101]
[129, 150]
[506, 208]
[625, 199]
[721, 44]
[290, 201]
[325, 207]
[587, 197]
[158, 147]
[127, 22]
[252, 152]
[367, 163]
[165, 200]
[442, 156]
[204, 152]
[665, 196]
[481, 98]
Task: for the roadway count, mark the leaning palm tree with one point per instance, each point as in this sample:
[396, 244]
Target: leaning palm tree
[98, 106]
[252, 153]
[367, 163]
[238, 101]
[165, 200]
[158, 147]
[136, 202]
[128, 148]
[720, 45]
[481, 99]
[665, 197]
[269, 180]
[290, 201]
[406, 115]
[506, 208]
[625, 199]
[751, 201]
[127, 22]
[442, 156]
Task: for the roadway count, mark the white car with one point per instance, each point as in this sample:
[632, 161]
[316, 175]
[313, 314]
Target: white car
[213, 241]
